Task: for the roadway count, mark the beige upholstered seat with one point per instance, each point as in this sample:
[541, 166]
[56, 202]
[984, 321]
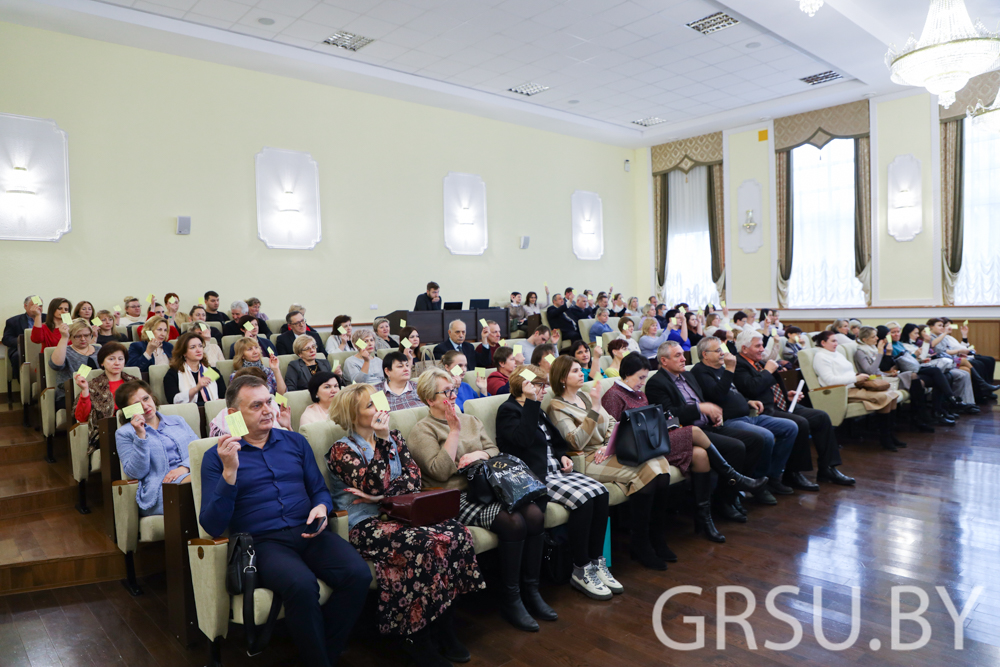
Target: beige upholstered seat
[227, 342]
[52, 420]
[156, 375]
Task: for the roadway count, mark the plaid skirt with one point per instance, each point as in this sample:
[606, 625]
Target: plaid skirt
[570, 489]
[471, 513]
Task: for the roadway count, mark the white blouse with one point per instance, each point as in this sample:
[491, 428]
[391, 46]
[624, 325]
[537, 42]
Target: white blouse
[833, 369]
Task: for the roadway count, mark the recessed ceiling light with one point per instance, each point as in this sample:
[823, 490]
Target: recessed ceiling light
[265, 21]
[753, 45]
[822, 77]
[647, 122]
[573, 102]
[713, 23]
[528, 89]
[348, 40]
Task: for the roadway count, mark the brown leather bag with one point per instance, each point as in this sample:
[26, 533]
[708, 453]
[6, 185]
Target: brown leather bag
[425, 508]
[878, 384]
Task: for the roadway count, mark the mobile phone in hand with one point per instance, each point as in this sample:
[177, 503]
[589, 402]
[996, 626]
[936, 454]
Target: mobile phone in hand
[316, 525]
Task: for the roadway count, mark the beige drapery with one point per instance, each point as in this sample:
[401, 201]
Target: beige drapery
[687, 154]
[783, 182]
[660, 229]
[952, 184]
[846, 121]
[716, 228]
[863, 215]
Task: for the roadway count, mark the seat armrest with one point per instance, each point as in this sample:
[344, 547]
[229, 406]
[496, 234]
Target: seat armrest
[832, 401]
[126, 509]
[208, 560]
[79, 439]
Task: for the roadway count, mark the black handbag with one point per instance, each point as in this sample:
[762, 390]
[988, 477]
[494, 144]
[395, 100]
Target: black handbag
[241, 579]
[642, 434]
[503, 478]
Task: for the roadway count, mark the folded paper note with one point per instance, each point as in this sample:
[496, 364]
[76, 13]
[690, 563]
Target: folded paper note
[456, 370]
[528, 375]
[237, 427]
[211, 374]
[132, 410]
[380, 402]
[66, 319]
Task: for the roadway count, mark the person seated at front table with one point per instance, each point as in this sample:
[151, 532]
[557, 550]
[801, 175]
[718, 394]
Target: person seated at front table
[444, 444]
[454, 359]
[97, 397]
[186, 381]
[649, 341]
[322, 388]
[73, 350]
[490, 337]
[498, 382]
[152, 447]
[247, 354]
[399, 391]
[431, 299]
[198, 314]
[544, 355]
[619, 350]
[589, 361]
[47, 333]
[383, 340]
[267, 484]
[340, 339]
[252, 332]
[456, 341]
[365, 366]
[601, 326]
[300, 371]
[414, 603]
[106, 331]
[153, 350]
[297, 327]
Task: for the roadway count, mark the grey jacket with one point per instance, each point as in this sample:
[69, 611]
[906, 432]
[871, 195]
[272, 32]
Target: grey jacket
[297, 375]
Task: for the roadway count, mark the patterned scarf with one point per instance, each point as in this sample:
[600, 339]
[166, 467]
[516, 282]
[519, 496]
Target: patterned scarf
[780, 401]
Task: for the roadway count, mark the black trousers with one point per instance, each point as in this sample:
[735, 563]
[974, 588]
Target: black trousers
[290, 564]
[741, 449]
[985, 366]
[934, 378]
[815, 423]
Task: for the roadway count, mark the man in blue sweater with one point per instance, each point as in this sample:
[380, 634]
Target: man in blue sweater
[267, 484]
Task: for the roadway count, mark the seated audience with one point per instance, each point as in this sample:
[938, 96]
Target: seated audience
[600, 327]
[625, 328]
[871, 356]
[985, 365]
[372, 463]
[199, 314]
[158, 310]
[515, 312]
[586, 426]
[300, 372]
[833, 369]
[219, 426]
[276, 500]
[531, 305]
[694, 327]
[295, 307]
[47, 333]
[106, 331]
[176, 316]
[213, 353]
[152, 447]
[541, 335]
[340, 337]
[253, 309]
[940, 344]
[619, 350]
[498, 382]
[741, 320]
[943, 398]
[525, 431]
[676, 326]
[769, 320]
[84, 310]
[589, 362]
[444, 444]
[322, 388]
[544, 355]
[911, 341]
[618, 308]
[297, 327]
[247, 354]
[14, 327]
[490, 337]
[411, 348]
[97, 397]
[560, 319]
[578, 310]
[842, 330]
[252, 332]
[186, 381]
[73, 350]
[133, 312]
[649, 341]
[634, 311]
[153, 349]
[455, 359]
[793, 345]
[383, 340]
[431, 299]
[399, 391]
[232, 327]
[456, 341]
[212, 312]
[364, 366]
[662, 318]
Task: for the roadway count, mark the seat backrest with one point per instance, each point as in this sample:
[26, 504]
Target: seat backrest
[31, 349]
[189, 411]
[50, 373]
[805, 358]
[156, 375]
[381, 353]
[121, 329]
[470, 377]
[606, 338]
[325, 336]
[545, 318]
[584, 326]
[212, 409]
[339, 357]
[404, 420]
[227, 342]
[613, 323]
[427, 352]
[215, 325]
[605, 361]
[196, 452]
[298, 401]
[485, 410]
[274, 340]
[284, 360]
[694, 355]
[225, 369]
[847, 350]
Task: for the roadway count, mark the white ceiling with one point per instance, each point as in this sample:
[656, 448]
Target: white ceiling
[607, 62]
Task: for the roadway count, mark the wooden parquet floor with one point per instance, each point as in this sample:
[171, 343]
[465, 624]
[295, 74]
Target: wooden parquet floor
[925, 517]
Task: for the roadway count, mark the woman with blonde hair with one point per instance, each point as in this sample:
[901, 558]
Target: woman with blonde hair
[247, 354]
[73, 350]
[649, 342]
[383, 341]
[153, 349]
[372, 463]
[365, 366]
[308, 365]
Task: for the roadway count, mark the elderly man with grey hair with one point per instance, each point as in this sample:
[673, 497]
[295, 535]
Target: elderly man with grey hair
[759, 381]
[238, 309]
[456, 341]
[15, 327]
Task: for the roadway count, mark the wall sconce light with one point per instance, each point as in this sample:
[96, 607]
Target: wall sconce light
[905, 214]
[288, 212]
[465, 230]
[587, 225]
[34, 185]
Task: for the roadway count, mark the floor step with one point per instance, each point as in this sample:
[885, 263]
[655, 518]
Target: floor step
[10, 414]
[18, 444]
[34, 486]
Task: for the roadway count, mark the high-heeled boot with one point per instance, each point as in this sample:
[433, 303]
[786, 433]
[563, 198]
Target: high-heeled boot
[641, 508]
[885, 431]
[531, 567]
[451, 647]
[701, 484]
[658, 527]
[728, 474]
[892, 431]
[511, 607]
[422, 651]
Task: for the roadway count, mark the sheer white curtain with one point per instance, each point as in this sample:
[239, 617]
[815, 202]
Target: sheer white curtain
[978, 281]
[823, 227]
[689, 251]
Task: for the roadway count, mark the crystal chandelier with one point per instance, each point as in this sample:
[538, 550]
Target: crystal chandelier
[951, 50]
[810, 7]
[984, 118]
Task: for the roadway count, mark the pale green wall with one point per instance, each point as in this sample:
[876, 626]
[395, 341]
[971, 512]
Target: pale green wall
[749, 280]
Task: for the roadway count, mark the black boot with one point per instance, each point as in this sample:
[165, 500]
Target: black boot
[701, 484]
[531, 566]
[422, 651]
[737, 502]
[728, 475]
[511, 607]
[658, 527]
[885, 432]
[892, 431]
[640, 548]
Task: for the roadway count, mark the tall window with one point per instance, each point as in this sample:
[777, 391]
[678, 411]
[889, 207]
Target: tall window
[689, 251]
[823, 227]
[979, 279]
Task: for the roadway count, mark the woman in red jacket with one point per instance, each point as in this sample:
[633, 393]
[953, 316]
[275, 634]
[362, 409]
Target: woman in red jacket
[47, 334]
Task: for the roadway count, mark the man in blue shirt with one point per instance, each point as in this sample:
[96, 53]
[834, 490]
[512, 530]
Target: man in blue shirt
[267, 484]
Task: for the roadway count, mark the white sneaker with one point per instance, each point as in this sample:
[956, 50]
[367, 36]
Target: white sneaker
[604, 574]
[590, 584]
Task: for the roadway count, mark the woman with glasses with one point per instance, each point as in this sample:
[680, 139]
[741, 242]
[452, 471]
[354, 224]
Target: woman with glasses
[73, 350]
[525, 431]
[300, 371]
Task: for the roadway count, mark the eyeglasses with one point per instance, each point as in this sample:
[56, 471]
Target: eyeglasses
[450, 393]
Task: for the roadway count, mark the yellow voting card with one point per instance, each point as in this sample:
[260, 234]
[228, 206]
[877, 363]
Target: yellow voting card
[149, 334]
[211, 374]
[456, 370]
[118, 309]
[341, 330]
[96, 321]
[334, 365]
[723, 304]
[149, 299]
[237, 427]
[380, 402]
[35, 300]
[406, 343]
[482, 320]
[550, 358]
[480, 371]
[528, 375]
[518, 349]
[248, 326]
[67, 319]
[361, 344]
[132, 410]
[402, 323]
[202, 326]
[83, 370]
[172, 299]
[280, 399]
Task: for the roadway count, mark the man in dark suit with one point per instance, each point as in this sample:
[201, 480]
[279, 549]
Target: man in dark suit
[296, 322]
[430, 300]
[560, 319]
[679, 392]
[456, 341]
[580, 310]
[757, 380]
[15, 327]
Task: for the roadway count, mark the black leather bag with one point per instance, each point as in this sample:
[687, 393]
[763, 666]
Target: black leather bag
[642, 434]
[503, 478]
[241, 579]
